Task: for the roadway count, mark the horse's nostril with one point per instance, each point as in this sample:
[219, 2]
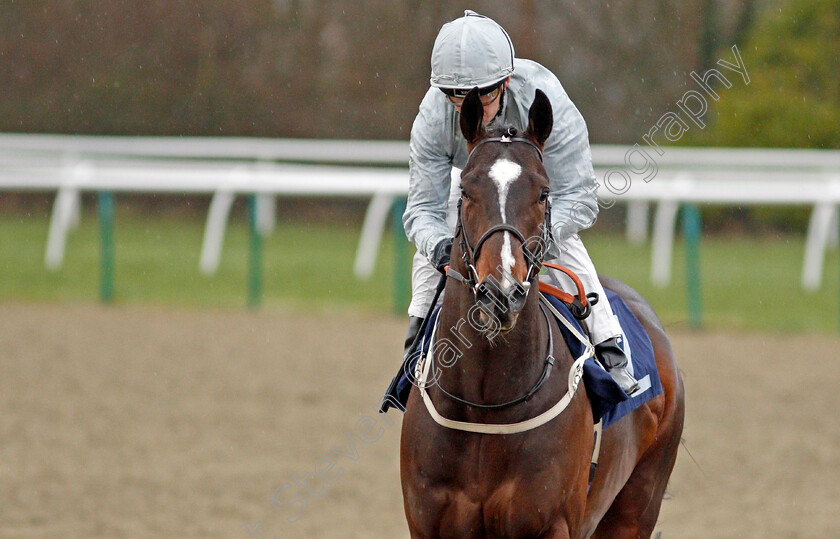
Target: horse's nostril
[486, 294]
[517, 298]
[521, 291]
[497, 300]
[490, 298]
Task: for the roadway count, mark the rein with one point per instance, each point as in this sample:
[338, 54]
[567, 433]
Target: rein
[549, 362]
[575, 376]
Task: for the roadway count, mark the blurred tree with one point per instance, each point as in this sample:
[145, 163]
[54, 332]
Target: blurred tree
[314, 68]
[792, 55]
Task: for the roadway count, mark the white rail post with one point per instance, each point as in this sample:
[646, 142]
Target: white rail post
[823, 217]
[266, 205]
[266, 208]
[65, 214]
[376, 217]
[664, 227]
[663, 242]
[217, 218]
[637, 221]
[834, 230]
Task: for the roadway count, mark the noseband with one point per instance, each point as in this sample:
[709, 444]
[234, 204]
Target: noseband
[471, 253]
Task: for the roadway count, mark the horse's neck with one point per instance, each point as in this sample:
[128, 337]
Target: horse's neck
[505, 365]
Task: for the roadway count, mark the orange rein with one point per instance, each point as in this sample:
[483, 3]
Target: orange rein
[565, 297]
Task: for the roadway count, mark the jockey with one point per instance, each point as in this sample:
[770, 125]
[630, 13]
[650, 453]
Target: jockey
[474, 51]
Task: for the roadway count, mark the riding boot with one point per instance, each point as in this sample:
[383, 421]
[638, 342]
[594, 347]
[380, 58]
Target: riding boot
[414, 325]
[613, 359]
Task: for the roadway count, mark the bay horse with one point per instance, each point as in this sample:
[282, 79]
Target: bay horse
[534, 483]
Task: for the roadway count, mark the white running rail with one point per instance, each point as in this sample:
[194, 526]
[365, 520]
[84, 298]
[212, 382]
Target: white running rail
[226, 167]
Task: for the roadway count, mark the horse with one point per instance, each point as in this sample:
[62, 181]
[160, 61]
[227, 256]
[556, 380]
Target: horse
[533, 483]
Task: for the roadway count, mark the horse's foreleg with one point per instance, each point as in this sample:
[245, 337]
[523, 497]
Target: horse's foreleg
[635, 509]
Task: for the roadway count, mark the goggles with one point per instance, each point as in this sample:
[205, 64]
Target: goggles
[485, 95]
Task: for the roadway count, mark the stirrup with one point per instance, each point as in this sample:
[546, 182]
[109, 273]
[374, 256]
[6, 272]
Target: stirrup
[612, 356]
[624, 379]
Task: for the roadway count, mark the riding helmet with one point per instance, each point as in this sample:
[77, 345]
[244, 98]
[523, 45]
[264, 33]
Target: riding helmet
[471, 51]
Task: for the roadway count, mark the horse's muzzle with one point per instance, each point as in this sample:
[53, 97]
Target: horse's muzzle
[501, 304]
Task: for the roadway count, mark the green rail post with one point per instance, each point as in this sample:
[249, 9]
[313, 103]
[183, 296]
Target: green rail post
[691, 233]
[254, 255]
[402, 285]
[105, 209]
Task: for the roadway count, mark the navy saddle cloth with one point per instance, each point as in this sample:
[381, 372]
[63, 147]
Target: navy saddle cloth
[608, 400]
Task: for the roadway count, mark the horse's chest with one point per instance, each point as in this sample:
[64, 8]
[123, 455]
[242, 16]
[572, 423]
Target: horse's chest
[495, 494]
[521, 485]
[513, 509]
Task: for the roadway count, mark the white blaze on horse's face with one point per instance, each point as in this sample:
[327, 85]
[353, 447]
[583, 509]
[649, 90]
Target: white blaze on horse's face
[504, 172]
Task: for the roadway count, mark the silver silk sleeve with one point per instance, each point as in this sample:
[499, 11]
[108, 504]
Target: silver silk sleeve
[430, 166]
[568, 162]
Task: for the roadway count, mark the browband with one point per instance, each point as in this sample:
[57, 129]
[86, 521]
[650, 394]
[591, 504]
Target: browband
[508, 137]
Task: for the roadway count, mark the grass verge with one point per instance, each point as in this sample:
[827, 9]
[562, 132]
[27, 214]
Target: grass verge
[747, 283]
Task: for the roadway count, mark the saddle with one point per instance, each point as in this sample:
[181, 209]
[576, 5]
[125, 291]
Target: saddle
[609, 402]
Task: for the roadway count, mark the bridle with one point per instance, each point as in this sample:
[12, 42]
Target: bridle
[510, 135]
[470, 253]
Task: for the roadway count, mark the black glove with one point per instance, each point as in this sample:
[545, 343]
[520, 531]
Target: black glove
[440, 254]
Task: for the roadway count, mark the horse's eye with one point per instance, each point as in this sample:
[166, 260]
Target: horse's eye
[543, 196]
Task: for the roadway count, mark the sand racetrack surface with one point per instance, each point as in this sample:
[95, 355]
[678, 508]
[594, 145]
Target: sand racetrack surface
[152, 422]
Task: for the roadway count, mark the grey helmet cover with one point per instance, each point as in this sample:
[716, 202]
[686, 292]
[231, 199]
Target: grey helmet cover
[471, 51]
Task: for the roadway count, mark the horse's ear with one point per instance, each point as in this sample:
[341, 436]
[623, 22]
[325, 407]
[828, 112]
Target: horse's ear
[472, 117]
[540, 119]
